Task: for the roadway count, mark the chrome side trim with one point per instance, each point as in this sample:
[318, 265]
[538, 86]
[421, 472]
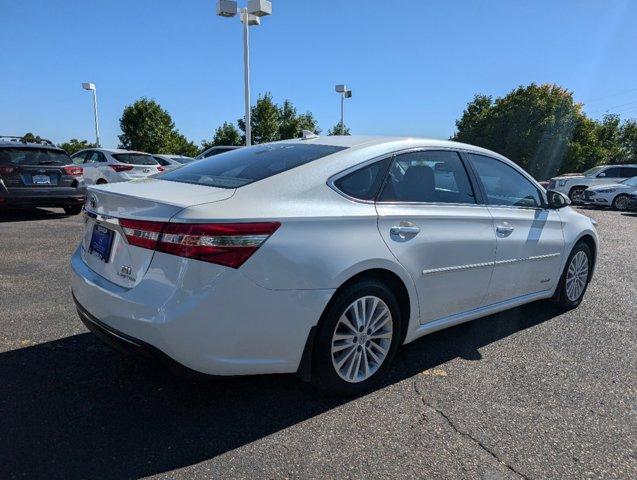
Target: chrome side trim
[457, 268]
[471, 266]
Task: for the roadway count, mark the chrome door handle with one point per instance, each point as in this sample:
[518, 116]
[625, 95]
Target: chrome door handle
[503, 230]
[404, 230]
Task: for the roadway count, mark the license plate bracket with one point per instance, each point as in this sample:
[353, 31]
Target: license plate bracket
[101, 242]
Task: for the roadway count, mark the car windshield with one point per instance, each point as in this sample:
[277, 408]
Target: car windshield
[246, 165]
[182, 159]
[135, 158]
[34, 156]
[592, 171]
[631, 182]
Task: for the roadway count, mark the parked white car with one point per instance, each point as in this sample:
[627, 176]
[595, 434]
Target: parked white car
[322, 255]
[615, 195]
[170, 162]
[106, 165]
[574, 185]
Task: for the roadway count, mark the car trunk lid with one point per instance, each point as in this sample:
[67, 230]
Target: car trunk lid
[104, 246]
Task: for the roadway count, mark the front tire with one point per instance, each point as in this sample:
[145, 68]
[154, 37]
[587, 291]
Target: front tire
[72, 209]
[576, 194]
[620, 202]
[575, 278]
[357, 339]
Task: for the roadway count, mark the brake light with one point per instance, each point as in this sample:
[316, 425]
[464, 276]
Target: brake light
[73, 171]
[142, 233]
[6, 170]
[160, 168]
[121, 168]
[228, 244]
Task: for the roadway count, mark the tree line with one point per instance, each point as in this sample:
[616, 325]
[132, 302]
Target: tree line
[540, 127]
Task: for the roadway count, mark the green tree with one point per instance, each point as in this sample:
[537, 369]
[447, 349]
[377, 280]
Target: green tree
[75, 145]
[226, 134]
[291, 125]
[265, 120]
[147, 127]
[536, 126]
[628, 141]
[31, 138]
[336, 130]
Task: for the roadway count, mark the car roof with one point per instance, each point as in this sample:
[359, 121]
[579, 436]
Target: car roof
[29, 145]
[112, 150]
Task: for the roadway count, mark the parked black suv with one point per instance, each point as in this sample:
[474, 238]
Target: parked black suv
[39, 175]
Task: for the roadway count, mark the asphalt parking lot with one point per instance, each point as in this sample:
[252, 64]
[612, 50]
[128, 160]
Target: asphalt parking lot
[528, 393]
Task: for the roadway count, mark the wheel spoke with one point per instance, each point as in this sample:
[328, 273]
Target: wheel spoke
[357, 354]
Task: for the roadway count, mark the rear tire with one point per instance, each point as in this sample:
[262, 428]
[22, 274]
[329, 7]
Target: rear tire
[357, 338]
[620, 202]
[72, 209]
[575, 278]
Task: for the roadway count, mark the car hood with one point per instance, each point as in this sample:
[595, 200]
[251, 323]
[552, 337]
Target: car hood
[568, 176]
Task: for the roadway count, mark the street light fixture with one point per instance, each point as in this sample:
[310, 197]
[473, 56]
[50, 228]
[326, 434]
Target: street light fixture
[345, 93]
[250, 15]
[91, 86]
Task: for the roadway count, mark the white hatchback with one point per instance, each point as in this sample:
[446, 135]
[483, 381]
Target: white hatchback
[321, 255]
[108, 165]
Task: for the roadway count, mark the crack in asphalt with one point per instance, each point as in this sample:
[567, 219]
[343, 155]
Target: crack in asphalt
[467, 435]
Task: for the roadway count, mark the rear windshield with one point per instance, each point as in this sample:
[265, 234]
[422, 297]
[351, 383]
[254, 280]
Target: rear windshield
[246, 165]
[135, 158]
[33, 156]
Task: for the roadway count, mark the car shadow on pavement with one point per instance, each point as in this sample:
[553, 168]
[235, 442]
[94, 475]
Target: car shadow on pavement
[29, 214]
[72, 408]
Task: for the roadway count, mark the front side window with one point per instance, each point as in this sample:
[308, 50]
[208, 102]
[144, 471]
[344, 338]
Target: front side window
[242, 166]
[612, 172]
[365, 182]
[428, 176]
[504, 185]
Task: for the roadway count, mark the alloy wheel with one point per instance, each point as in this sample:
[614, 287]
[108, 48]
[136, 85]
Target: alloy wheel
[361, 339]
[577, 276]
[621, 203]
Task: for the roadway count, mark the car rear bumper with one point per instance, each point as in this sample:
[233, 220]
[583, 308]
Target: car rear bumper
[216, 325]
[46, 197]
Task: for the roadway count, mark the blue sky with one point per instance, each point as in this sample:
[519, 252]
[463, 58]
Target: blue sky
[412, 65]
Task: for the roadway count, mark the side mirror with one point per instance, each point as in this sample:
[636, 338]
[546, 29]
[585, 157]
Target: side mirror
[557, 199]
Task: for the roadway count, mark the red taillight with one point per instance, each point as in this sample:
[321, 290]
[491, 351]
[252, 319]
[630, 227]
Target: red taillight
[229, 244]
[142, 233]
[73, 171]
[121, 168]
[6, 170]
[160, 168]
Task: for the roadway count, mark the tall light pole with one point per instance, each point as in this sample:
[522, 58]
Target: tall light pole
[249, 15]
[345, 93]
[91, 86]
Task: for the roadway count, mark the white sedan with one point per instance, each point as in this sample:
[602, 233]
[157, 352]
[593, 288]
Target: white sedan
[321, 255]
[111, 165]
[615, 195]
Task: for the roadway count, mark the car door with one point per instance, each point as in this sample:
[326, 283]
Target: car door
[530, 243]
[91, 170]
[431, 219]
[79, 158]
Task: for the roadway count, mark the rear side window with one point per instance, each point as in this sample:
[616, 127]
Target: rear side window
[134, 158]
[364, 183]
[428, 176]
[33, 156]
[628, 172]
[246, 165]
[161, 161]
[503, 184]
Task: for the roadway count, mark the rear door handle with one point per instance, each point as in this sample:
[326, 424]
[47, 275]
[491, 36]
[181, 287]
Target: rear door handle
[504, 230]
[403, 230]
